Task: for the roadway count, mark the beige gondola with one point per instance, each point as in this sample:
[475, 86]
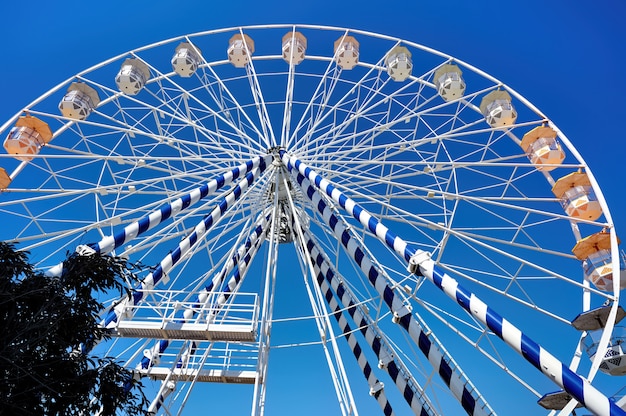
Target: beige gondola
[542, 148]
[5, 179]
[577, 196]
[294, 47]
[449, 82]
[27, 137]
[79, 101]
[132, 77]
[346, 52]
[399, 64]
[497, 107]
[240, 49]
[186, 59]
[595, 252]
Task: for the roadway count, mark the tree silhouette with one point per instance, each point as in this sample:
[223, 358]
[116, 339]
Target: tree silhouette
[43, 321]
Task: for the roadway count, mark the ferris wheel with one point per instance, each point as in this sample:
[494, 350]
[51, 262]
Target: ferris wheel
[318, 198]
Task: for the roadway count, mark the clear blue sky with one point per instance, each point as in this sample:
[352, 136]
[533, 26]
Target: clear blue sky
[566, 57]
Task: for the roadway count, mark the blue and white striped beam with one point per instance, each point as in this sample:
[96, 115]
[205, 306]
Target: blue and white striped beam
[348, 301]
[254, 239]
[125, 306]
[168, 210]
[421, 263]
[577, 386]
[365, 218]
[333, 289]
[151, 357]
[241, 268]
[376, 386]
[189, 351]
[459, 385]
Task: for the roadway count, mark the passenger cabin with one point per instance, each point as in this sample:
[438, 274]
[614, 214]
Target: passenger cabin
[186, 59]
[497, 107]
[27, 137]
[449, 82]
[79, 101]
[542, 148]
[346, 52]
[294, 47]
[399, 64]
[614, 361]
[5, 179]
[595, 253]
[240, 49]
[577, 196]
[132, 76]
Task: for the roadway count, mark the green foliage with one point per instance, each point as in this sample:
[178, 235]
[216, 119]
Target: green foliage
[42, 321]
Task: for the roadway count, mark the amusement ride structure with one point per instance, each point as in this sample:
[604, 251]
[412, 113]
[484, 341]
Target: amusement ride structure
[301, 191]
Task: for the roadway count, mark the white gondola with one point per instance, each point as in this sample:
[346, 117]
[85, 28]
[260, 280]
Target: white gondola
[240, 49]
[346, 52]
[132, 76]
[79, 101]
[577, 196]
[497, 107]
[294, 47]
[186, 60]
[614, 361]
[542, 148]
[399, 64]
[449, 82]
[27, 137]
[598, 270]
